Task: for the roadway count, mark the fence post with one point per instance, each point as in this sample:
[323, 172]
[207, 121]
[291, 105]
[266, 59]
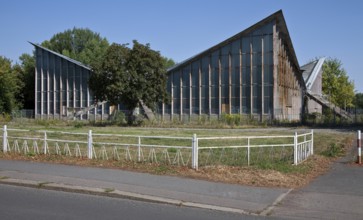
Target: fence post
[248, 151]
[5, 140]
[295, 149]
[195, 152]
[139, 150]
[359, 146]
[89, 145]
[45, 142]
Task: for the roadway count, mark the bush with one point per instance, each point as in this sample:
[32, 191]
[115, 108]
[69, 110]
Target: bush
[119, 118]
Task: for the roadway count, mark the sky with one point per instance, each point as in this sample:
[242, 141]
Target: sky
[181, 29]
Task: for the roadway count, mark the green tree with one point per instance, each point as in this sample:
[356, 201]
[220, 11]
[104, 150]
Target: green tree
[359, 100]
[129, 76]
[26, 76]
[168, 62]
[336, 84]
[8, 86]
[80, 44]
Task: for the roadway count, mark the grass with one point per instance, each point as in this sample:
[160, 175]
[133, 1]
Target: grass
[327, 144]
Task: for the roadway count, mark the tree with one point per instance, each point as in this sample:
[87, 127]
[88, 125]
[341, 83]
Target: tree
[168, 62]
[359, 100]
[26, 76]
[129, 76]
[336, 84]
[80, 44]
[8, 86]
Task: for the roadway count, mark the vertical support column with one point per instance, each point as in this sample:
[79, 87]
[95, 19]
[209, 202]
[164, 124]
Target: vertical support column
[240, 79]
[195, 152]
[90, 145]
[312, 142]
[359, 146]
[219, 85]
[200, 88]
[275, 95]
[251, 79]
[139, 150]
[295, 149]
[248, 151]
[262, 79]
[5, 139]
[190, 91]
[172, 96]
[41, 88]
[60, 89]
[181, 95]
[229, 83]
[210, 86]
[48, 91]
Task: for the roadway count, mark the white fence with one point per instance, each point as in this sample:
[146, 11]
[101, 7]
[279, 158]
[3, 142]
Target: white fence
[182, 151]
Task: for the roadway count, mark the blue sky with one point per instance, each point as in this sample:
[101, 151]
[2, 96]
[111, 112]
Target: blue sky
[181, 29]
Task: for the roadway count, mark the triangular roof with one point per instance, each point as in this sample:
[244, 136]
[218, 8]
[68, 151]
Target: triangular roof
[278, 16]
[62, 56]
[311, 71]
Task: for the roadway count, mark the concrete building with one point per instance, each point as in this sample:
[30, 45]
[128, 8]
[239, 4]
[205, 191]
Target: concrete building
[61, 88]
[255, 72]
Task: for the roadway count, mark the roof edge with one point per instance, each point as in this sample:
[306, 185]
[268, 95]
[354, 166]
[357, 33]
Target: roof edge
[250, 28]
[62, 56]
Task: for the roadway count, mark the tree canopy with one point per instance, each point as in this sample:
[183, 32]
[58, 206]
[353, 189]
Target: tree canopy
[336, 84]
[80, 44]
[9, 86]
[129, 76]
[359, 100]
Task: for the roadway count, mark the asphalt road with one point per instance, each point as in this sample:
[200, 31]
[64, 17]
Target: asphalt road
[29, 203]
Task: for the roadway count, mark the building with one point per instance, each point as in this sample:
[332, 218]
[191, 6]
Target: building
[61, 88]
[313, 74]
[255, 72]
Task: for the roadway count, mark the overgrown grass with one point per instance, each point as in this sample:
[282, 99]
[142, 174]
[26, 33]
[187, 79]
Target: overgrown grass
[328, 143]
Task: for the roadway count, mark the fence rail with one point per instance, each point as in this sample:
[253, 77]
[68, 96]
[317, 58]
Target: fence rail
[182, 151]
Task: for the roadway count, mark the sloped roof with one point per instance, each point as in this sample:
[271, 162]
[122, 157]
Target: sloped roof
[62, 56]
[278, 16]
[311, 71]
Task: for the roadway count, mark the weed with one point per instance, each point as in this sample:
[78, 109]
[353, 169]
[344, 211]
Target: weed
[334, 150]
[108, 190]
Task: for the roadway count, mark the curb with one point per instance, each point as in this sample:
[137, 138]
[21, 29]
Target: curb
[117, 194]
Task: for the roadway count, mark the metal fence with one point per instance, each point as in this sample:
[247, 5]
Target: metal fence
[181, 151]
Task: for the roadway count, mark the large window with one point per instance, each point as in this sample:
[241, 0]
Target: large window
[246, 75]
[195, 87]
[176, 91]
[186, 89]
[225, 57]
[235, 77]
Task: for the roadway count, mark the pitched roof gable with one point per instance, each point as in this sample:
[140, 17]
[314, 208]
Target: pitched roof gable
[62, 56]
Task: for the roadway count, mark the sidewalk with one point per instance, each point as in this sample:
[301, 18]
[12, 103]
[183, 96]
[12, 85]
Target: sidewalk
[141, 186]
[336, 195]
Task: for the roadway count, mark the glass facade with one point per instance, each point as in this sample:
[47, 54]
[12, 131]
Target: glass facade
[233, 78]
[61, 86]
